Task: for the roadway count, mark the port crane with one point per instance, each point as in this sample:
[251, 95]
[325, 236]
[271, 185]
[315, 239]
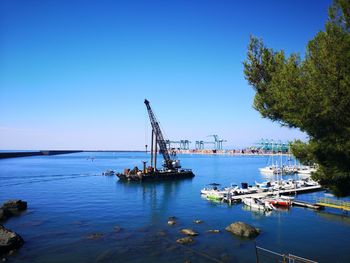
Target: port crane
[183, 144]
[200, 144]
[273, 145]
[217, 143]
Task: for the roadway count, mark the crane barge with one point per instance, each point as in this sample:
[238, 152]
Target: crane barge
[171, 165]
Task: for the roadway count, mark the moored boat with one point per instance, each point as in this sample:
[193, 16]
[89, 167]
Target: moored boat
[257, 204]
[279, 202]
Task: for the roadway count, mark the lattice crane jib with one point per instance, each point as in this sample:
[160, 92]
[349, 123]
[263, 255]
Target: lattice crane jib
[160, 139]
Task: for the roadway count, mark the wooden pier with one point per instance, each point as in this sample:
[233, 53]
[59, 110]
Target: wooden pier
[307, 205]
[333, 203]
[306, 189]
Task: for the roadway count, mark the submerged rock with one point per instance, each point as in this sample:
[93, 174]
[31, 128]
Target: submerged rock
[225, 257]
[198, 221]
[161, 233]
[9, 240]
[4, 214]
[189, 232]
[15, 206]
[117, 229]
[105, 256]
[243, 230]
[95, 236]
[171, 222]
[12, 207]
[185, 240]
[213, 231]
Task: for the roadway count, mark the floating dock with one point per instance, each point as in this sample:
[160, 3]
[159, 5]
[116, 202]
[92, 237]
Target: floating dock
[333, 203]
[305, 189]
[307, 205]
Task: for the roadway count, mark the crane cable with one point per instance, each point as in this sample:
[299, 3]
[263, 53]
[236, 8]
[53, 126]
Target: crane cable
[146, 129]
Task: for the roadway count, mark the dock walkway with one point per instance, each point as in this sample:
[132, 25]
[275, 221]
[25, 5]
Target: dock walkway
[237, 198]
[332, 203]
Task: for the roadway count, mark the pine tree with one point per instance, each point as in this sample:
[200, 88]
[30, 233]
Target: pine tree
[312, 94]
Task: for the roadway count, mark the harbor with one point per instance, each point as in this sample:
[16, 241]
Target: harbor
[280, 193]
[175, 131]
[104, 218]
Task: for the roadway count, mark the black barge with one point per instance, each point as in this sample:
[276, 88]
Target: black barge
[156, 175]
[171, 167]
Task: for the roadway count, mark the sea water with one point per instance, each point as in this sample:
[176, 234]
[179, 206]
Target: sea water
[77, 215]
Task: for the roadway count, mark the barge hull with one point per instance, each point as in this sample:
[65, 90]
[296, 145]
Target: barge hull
[156, 176]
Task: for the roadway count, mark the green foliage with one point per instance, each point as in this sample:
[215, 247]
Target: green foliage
[303, 151]
[312, 94]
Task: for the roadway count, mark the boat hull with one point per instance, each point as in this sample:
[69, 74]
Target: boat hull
[156, 176]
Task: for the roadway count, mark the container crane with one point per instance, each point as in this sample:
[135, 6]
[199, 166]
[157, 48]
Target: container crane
[217, 142]
[183, 144]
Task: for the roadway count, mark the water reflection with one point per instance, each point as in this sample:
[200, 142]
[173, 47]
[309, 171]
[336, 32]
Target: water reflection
[335, 217]
[256, 212]
[157, 197]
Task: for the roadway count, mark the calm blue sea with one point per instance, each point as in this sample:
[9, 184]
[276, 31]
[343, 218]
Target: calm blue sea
[77, 215]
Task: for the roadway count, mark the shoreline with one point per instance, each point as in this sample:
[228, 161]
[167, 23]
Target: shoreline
[18, 154]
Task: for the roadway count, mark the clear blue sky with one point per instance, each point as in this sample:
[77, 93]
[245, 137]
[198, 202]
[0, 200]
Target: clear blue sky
[74, 74]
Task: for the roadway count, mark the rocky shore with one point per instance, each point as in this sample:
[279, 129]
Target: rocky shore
[10, 240]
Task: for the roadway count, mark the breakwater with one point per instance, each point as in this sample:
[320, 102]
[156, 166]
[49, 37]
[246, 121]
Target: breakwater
[4, 155]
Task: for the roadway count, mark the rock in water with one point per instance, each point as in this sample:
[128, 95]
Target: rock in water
[15, 206]
[213, 231]
[4, 214]
[243, 230]
[185, 240]
[171, 222]
[117, 229]
[95, 236]
[189, 232]
[9, 240]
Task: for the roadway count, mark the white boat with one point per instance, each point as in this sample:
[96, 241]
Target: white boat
[288, 185]
[257, 204]
[310, 182]
[287, 197]
[272, 169]
[232, 188]
[264, 186]
[290, 169]
[306, 170]
[213, 187]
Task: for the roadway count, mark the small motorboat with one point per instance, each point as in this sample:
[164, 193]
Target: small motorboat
[310, 182]
[278, 201]
[257, 204]
[212, 187]
[287, 197]
[272, 169]
[215, 195]
[306, 170]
